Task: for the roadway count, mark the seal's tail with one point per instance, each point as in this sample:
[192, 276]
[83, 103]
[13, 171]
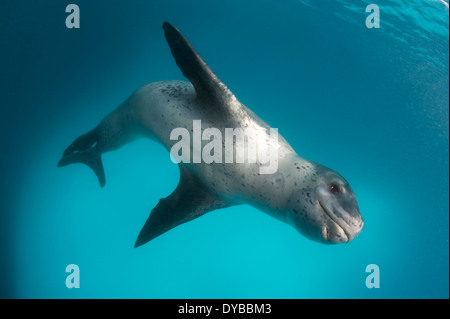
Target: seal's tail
[85, 150]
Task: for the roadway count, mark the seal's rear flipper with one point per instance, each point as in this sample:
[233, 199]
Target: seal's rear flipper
[189, 201]
[96, 165]
[83, 150]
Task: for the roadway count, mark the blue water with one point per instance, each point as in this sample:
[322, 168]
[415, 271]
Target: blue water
[370, 103]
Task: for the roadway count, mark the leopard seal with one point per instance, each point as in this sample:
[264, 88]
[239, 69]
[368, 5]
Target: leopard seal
[315, 200]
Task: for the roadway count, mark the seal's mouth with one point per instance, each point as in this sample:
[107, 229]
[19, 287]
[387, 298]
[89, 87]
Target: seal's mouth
[326, 232]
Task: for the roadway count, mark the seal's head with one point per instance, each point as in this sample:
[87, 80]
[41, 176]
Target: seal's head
[325, 210]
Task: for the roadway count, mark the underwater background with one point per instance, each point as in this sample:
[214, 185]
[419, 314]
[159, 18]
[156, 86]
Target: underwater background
[371, 104]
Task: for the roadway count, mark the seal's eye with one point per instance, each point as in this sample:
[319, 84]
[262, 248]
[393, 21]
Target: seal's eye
[334, 189]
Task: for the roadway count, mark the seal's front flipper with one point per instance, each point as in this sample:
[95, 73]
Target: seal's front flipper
[189, 201]
[207, 85]
[85, 150]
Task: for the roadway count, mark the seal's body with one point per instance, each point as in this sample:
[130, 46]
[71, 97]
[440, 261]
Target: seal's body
[315, 200]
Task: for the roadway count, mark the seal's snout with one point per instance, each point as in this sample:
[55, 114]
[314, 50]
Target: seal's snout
[343, 221]
[354, 231]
